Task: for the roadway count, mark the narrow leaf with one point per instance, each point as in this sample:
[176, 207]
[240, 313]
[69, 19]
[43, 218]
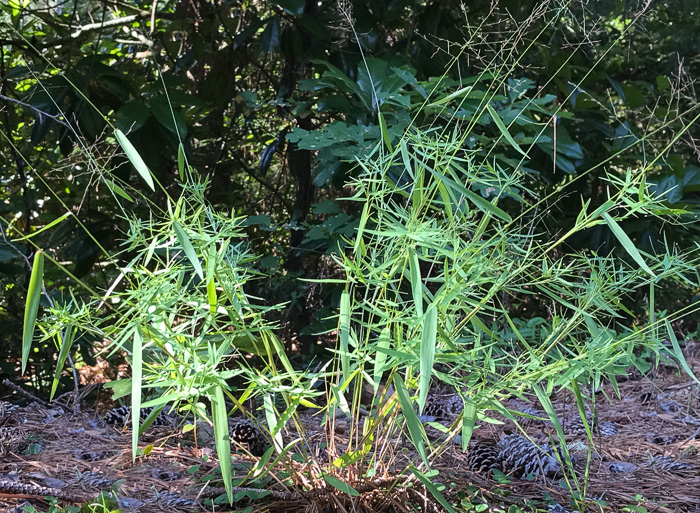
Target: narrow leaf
[211, 295]
[427, 482]
[118, 190]
[181, 161]
[340, 485]
[32, 307]
[380, 357]
[136, 376]
[412, 421]
[468, 421]
[345, 334]
[626, 242]
[504, 129]
[427, 354]
[678, 352]
[416, 281]
[135, 158]
[44, 228]
[65, 341]
[385, 131]
[188, 249]
[221, 438]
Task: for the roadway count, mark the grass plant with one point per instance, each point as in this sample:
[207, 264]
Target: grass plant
[427, 282]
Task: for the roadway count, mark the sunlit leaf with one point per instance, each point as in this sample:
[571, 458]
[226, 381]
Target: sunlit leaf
[504, 130]
[221, 437]
[136, 377]
[134, 158]
[340, 485]
[188, 249]
[427, 354]
[412, 421]
[428, 483]
[32, 306]
[626, 242]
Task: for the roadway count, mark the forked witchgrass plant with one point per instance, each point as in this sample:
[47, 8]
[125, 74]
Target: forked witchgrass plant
[427, 277]
[430, 264]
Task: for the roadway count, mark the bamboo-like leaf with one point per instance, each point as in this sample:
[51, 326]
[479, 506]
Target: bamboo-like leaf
[65, 341]
[385, 131]
[678, 352]
[271, 417]
[480, 203]
[380, 357]
[44, 228]
[187, 247]
[416, 281]
[32, 307]
[211, 295]
[181, 161]
[345, 334]
[118, 190]
[340, 485]
[626, 242]
[135, 158]
[136, 378]
[504, 130]
[428, 483]
[448, 98]
[412, 421]
[581, 407]
[150, 251]
[468, 421]
[427, 354]
[360, 228]
[221, 437]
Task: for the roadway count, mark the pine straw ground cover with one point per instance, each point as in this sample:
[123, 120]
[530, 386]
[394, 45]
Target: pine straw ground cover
[657, 416]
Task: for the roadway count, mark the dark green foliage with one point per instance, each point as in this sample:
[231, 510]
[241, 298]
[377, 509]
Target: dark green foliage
[275, 102]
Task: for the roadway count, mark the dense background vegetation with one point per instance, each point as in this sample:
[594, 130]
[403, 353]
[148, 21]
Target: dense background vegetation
[273, 101]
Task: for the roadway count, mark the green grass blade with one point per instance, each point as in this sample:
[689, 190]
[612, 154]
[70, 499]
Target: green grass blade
[136, 378]
[188, 249]
[427, 354]
[345, 334]
[221, 437]
[504, 130]
[385, 131]
[32, 307]
[44, 228]
[181, 161]
[66, 342]
[427, 482]
[416, 281]
[626, 242]
[361, 228]
[412, 421]
[677, 350]
[481, 203]
[468, 421]
[118, 190]
[380, 357]
[340, 485]
[135, 158]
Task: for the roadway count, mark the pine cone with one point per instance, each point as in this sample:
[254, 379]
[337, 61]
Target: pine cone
[482, 457]
[13, 440]
[520, 457]
[444, 407]
[120, 416]
[573, 425]
[669, 464]
[245, 434]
